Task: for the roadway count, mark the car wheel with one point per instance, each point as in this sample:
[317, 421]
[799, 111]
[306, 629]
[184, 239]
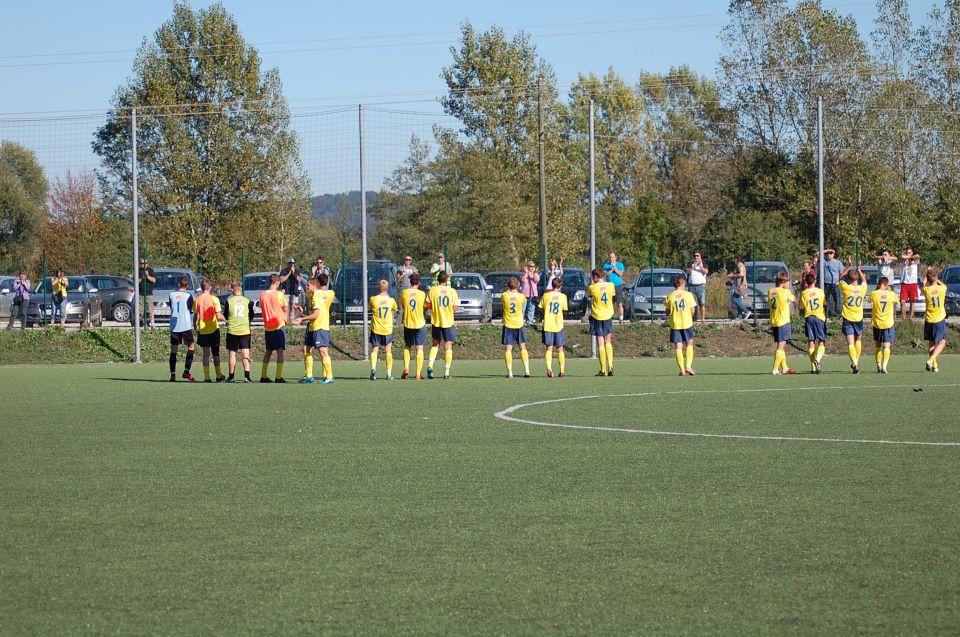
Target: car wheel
[122, 312]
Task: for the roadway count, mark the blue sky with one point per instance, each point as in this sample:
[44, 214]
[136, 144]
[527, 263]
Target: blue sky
[71, 56]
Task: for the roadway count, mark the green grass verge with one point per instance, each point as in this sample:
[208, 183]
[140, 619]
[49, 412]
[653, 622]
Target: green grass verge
[136, 506]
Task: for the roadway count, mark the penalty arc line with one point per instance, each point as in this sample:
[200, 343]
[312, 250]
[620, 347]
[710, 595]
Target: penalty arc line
[505, 414]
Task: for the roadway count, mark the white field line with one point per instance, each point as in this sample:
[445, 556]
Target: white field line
[505, 414]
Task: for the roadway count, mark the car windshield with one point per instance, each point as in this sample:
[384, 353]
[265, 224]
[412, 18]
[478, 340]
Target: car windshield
[374, 275]
[254, 282]
[952, 276]
[169, 280]
[74, 284]
[573, 278]
[764, 273]
[499, 281]
[466, 282]
[660, 279]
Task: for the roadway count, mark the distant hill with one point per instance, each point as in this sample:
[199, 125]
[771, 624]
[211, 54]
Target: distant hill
[330, 207]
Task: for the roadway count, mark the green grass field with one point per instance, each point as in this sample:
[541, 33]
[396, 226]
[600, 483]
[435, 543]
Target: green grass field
[133, 506]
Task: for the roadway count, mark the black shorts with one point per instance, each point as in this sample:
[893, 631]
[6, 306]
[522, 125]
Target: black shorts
[236, 343]
[181, 338]
[209, 340]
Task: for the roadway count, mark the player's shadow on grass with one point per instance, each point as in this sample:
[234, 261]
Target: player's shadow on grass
[139, 380]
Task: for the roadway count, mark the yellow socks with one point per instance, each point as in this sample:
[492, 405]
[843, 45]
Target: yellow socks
[279, 370]
[216, 368]
[548, 358]
[812, 353]
[878, 355]
[327, 367]
[859, 350]
[206, 372]
[308, 365]
[821, 348]
[852, 352]
[609, 348]
[602, 353]
[886, 359]
[389, 360]
[678, 354]
[562, 359]
[690, 356]
[373, 360]
[419, 361]
[264, 370]
[406, 359]
[525, 357]
[508, 359]
[448, 359]
[779, 360]
[433, 355]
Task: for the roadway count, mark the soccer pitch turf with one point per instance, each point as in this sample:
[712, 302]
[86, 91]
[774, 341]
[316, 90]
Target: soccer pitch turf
[132, 505]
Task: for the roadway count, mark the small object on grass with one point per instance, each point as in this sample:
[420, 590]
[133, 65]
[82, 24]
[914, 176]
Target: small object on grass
[918, 389]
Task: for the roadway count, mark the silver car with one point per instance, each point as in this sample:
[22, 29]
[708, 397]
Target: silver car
[476, 296]
[168, 280]
[761, 278]
[637, 298]
[6, 294]
[83, 304]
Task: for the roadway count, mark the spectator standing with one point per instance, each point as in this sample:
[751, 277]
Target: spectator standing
[832, 268]
[697, 278]
[909, 282]
[21, 300]
[738, 286]
[290, 284]
[815, 269]
[404, 272]
[318, 268]
[888, 266]
[149, 279]
[528, 287]
[555, 271]
[58, 285]
[614, 271]
[440, 266]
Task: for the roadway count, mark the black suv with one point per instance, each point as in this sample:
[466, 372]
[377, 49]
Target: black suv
[348, 286]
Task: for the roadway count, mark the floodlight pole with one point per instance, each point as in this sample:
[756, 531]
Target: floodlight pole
[363, 245]
[543, 177]
[820, 243]
[593, 216]
[136, 236]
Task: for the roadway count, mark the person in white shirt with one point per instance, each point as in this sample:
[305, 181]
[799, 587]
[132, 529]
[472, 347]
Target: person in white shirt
[888, 265]
[555, 271]
[909, 281]
[697, 283]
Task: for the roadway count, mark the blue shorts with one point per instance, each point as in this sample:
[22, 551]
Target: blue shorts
[935, 332]
[317, 338]
[513, 336]
[681, 336]
[380, 340]
[815, 329]
[554, 339]
[852, 328]
[600, 328]
[884, 335]
[782, 333]
[446, 334]
[412, 337]
[275, 340]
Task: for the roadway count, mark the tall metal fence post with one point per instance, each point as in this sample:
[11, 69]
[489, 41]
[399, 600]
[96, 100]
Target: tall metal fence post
[821, 246]
[543, 177]
[43, 286]
[243, 263]
[343, 285]
[593, 217]
[856, 252]
[363, 243]
[652, 260]
[136, 234]
[753, 276]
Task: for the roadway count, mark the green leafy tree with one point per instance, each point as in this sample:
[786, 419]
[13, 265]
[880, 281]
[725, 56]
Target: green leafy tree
[23, 193]
[218, 162]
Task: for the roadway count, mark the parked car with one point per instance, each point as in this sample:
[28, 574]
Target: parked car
[637, 299]
[83, 303]
[116, 296]
[766, 279]
[348, 287]
[498, 282]
[168, 280]
[476, 296]
[951, 277]
[575, 284]
[6, 295]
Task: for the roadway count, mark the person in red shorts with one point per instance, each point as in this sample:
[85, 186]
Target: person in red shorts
[909, 282]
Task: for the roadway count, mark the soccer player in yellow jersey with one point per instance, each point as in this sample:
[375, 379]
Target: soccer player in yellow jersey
[934, 318]
[238, 310]
[443, 302]
[780, 298]
[853, 287]
[813, 302]
[318, 329]
[601, 295]
[513, 333]
[383, 308]
[554, 304]
[680, 306]
[883, 300]
[207, 315]
[413, 300]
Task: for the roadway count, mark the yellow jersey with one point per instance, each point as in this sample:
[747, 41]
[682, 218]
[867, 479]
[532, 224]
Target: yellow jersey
[413, 300]
[382, 307]
[883, 302]
[59, 285]
[853, 299]
[812, 301]
[553, 304]
[679, 306]
[780, 300]
[206, 307]
[513, 304]
[935, 295]
[322, 300]
[601, 300]
[443, 302]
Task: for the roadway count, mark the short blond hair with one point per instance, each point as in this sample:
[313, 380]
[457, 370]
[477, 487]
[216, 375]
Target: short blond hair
[384, 286]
